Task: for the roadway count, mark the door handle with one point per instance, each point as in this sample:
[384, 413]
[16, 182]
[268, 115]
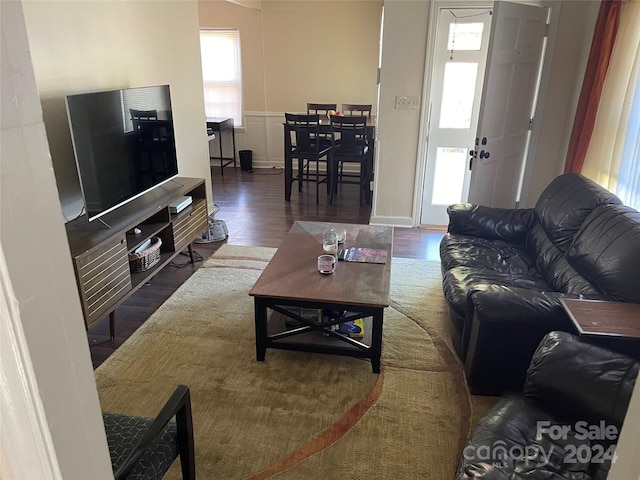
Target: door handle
[471, 164]
[484, 140]
[484, 154]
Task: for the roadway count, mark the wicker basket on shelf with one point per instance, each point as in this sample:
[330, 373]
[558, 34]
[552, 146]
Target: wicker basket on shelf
[146, 256]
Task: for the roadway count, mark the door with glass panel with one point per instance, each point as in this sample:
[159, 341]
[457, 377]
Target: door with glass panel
[460, 52]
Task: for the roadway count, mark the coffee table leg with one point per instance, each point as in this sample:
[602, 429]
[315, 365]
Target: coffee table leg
[261, 328]
[376, 340]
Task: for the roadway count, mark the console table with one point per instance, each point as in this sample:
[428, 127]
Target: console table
[100, 250]
[219, 125]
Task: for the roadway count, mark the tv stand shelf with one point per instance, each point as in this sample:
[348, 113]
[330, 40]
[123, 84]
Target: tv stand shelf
[100, 251]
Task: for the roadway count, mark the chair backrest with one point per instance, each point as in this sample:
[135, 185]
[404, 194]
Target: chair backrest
[358, 109]
[322, 109]
[301, 131]
[350, 130]
[145, 448]
[143, 114]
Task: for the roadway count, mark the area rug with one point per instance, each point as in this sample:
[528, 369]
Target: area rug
[299, 415]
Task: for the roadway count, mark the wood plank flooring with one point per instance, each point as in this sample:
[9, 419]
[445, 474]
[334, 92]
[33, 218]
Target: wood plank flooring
[256, 214]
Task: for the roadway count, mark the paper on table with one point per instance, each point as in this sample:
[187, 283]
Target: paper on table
[363, 255]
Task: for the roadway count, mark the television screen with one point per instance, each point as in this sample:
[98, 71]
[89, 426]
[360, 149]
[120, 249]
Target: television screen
[123, 142]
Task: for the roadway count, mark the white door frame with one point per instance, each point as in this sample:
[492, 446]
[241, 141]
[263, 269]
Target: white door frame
[435, 213]
[421, 160]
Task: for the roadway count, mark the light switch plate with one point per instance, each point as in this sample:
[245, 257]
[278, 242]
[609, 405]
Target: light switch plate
[405, 102]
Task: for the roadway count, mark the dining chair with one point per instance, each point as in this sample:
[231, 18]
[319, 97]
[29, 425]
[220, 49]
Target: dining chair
[302, 143]
[145, 448]
[358, 109]
[321, 109]
[349, 144]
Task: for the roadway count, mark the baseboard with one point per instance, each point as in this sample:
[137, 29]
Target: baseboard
[391, 221]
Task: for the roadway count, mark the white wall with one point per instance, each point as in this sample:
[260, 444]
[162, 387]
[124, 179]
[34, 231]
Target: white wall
[404, 42]
[52, 366]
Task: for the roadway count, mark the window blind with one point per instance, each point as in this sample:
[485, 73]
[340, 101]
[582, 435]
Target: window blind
[222, 74]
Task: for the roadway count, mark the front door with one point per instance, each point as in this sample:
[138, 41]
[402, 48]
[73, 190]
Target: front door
[508, 101]
[460, 52]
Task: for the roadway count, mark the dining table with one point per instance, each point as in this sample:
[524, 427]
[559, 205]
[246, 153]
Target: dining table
[324, 129]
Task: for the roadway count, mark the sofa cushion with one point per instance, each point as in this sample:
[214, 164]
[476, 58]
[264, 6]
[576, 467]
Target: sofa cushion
[565, 203]
[606, 251]
[553, 266]
[497, 255]
[506, 224]
[458, 282]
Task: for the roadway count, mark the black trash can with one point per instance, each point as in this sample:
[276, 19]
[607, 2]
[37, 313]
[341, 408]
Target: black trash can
[246, 160]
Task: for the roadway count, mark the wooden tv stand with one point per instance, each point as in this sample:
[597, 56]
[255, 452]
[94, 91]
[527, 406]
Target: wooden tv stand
[100, 252]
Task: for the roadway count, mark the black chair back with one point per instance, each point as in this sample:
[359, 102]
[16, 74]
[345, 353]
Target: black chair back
[349, 135]
[303, 131]
[321, 109]
[357, 109]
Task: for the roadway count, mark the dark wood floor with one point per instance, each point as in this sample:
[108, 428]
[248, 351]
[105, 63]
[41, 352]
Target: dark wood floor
[256, 214]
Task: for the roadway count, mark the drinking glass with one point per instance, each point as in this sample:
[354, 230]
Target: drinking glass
[341, 234]
[326, 263]
[330, 243]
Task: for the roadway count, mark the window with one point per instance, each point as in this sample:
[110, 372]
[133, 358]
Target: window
[628, 188]
[222, 74]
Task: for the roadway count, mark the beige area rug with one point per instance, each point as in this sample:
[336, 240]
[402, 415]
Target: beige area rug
[299, 415]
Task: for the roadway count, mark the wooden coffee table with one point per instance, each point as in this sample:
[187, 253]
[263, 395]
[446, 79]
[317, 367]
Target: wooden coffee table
[292, 282]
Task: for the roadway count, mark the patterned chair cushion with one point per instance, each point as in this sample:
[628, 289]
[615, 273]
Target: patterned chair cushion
[124, 432]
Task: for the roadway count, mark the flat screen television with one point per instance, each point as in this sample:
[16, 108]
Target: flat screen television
[123, 143]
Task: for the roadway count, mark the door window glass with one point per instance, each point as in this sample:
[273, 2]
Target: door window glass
[465, 36]
[449, 175]
[458, 92]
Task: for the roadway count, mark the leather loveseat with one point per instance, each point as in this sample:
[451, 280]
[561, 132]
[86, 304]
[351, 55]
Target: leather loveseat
[505, 270]
[564, 424]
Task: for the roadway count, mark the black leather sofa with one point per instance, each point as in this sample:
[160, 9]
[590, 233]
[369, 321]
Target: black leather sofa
[564, 424]
[505, 270]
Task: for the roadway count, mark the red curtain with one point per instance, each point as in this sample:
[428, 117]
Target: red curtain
[604, 36]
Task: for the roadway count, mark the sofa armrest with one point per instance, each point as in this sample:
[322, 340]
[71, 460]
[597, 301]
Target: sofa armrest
[504, 331]
[508, 224]
[580, 378]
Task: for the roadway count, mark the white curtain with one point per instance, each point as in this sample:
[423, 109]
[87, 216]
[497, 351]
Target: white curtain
[612, 157]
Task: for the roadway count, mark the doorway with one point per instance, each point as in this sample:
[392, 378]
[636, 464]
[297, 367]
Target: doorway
[459, 51]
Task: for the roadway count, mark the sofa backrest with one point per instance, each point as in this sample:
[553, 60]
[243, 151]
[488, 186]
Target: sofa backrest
[560, 213]
[581, 379]
[606, 251]
[565, 203]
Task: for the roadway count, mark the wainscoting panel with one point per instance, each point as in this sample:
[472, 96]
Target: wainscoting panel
[263, 134]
